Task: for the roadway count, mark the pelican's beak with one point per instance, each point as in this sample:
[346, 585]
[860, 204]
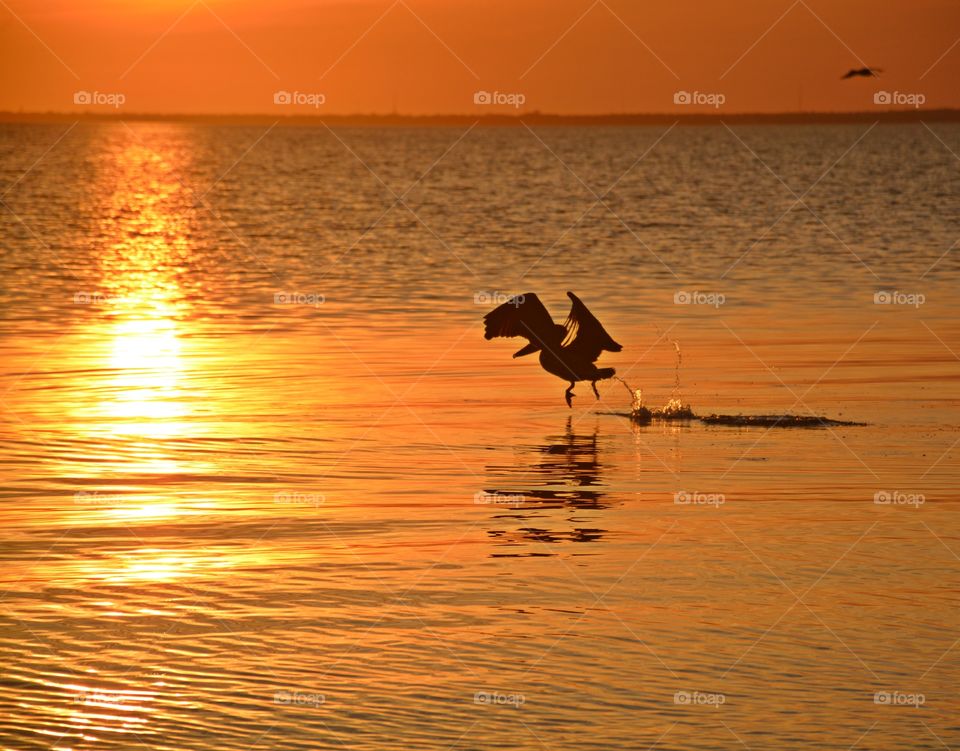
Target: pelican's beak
[528, 350]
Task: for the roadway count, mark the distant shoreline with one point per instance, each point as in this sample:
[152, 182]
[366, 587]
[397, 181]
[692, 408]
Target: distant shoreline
[499, 120]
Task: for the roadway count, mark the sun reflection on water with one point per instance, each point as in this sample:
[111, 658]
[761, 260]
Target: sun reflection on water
[138, 367]
[131, 407]
[146, 315]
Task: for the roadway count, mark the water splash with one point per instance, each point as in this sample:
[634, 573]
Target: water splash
[675, 396]
[676, 410]
[636, 395]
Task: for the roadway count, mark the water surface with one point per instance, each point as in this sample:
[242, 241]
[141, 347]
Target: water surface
[264, 484]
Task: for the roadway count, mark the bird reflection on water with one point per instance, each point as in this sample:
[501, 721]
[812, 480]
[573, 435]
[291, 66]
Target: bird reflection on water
[565, 475]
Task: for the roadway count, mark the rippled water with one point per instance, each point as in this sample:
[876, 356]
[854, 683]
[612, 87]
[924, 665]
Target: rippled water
[264, 484]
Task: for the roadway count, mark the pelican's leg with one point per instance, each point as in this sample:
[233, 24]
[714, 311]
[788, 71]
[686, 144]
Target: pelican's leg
[568, 394]
[597, 393]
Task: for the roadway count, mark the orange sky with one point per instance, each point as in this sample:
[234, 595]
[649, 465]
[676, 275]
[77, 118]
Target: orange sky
[431, 56]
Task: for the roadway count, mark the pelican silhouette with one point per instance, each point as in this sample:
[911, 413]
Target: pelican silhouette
[568, 351]
[863, 72]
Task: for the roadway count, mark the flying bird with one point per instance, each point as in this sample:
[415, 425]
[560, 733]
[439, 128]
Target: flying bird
[861, 72]
[568, 351]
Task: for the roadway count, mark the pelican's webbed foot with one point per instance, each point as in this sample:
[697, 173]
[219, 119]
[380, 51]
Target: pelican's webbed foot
[568, 395]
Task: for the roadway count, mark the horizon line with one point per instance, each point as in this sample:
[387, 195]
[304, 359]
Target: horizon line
[501, 118]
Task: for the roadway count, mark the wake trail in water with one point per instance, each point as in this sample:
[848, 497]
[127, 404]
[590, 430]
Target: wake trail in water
[676, 411]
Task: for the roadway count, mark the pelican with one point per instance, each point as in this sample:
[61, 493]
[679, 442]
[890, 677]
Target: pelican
[568, 351]
[864, 72]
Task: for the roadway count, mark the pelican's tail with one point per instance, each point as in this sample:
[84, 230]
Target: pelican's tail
[605, 373]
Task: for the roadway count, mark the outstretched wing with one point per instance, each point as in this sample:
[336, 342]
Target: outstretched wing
[522, 315]
[586, 338]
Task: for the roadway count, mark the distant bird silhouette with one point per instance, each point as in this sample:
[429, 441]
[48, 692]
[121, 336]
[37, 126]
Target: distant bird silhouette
[861, 72]
[568, 351]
